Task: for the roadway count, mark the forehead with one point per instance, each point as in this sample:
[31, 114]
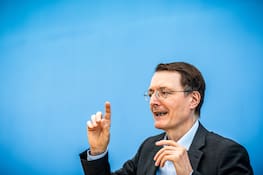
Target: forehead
[166, 79]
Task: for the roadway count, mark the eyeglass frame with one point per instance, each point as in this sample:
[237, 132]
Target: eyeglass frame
[164, 93]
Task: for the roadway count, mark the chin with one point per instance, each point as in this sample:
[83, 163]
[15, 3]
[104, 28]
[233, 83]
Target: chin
[158, 126]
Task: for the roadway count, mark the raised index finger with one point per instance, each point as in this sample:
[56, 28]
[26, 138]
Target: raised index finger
[107, 110]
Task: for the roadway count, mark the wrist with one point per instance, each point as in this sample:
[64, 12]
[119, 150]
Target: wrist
[97, 157]
[95, 152]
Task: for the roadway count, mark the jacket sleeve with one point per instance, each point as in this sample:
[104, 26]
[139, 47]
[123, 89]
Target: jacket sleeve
[102, 167]
[95, 167]
[235, 161]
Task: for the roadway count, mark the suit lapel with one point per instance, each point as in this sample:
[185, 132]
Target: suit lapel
[195, 156]
[195, 153]
[150, 168]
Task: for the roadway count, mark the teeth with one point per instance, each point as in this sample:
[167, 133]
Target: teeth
[160, 114]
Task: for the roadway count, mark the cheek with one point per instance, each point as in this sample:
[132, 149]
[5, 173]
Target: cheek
[178, 108]
[172, 108]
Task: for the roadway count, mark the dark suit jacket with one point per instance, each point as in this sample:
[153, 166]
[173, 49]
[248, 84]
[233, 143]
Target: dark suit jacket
[209, 154]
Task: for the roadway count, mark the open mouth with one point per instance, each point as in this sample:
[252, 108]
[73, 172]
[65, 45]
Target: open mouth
[160, 114]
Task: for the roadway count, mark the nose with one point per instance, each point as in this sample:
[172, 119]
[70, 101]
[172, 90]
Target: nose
[154, 99]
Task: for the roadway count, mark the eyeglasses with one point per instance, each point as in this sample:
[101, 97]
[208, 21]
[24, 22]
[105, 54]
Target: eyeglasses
[161, 94]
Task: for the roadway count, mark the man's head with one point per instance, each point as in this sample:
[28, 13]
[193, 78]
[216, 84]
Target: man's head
[191, 78]
[176, 95]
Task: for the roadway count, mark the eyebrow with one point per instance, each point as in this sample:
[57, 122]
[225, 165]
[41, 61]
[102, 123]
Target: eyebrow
[159, 88]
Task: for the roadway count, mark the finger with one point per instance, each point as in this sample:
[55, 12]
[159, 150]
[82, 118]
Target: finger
[157, 159]
[161, 151]
[162, 157]
[89, 124]
[107, 111]
[98, 116]
[158, 156]
[166, 150]
[167, 142]
[93, 120]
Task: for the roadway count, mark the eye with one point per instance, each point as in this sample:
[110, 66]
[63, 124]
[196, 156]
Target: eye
[164, 93]
[150, 93]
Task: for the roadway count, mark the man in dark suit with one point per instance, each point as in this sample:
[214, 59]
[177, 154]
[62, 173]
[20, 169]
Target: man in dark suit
[175, 95]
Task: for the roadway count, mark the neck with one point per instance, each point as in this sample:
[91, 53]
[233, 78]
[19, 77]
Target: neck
[176, 133]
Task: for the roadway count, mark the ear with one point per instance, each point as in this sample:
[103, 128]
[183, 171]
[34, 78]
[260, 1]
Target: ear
[195, 100]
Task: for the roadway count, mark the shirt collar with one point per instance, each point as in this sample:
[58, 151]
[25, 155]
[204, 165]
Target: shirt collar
[187, 139]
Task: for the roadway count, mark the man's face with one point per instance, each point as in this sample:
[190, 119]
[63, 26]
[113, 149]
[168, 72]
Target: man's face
[174, 111]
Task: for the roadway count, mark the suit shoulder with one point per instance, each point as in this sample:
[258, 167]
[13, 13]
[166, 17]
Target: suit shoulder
[223, 141]
[153, 139]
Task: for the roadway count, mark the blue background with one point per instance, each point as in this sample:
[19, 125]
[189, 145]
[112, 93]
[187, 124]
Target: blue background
[61, 60]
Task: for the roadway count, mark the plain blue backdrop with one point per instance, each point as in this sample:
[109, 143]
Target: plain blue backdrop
[61, 60]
